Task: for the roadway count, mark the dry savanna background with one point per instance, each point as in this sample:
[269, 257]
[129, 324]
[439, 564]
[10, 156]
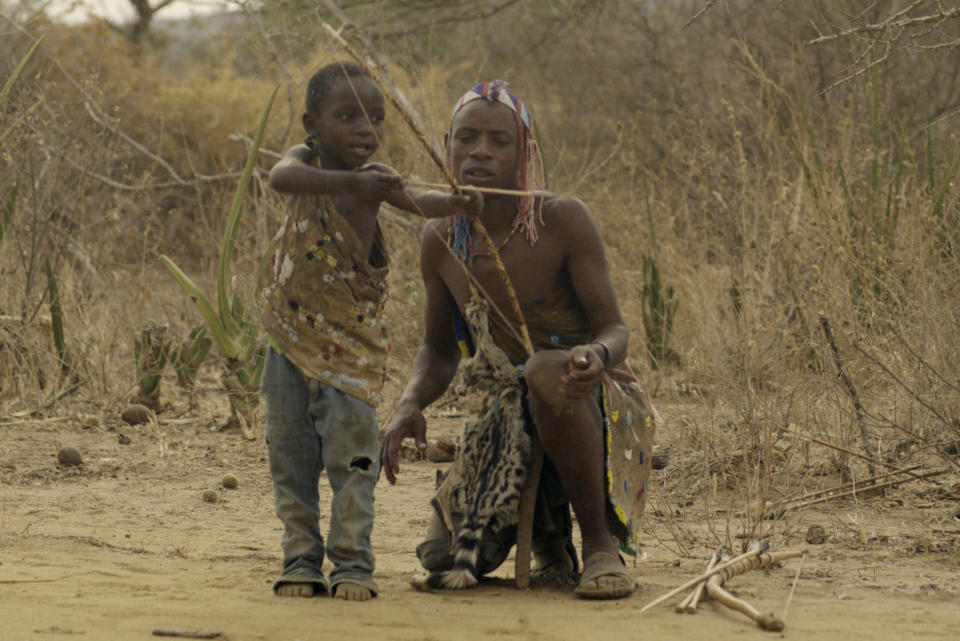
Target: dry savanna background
[778, 187]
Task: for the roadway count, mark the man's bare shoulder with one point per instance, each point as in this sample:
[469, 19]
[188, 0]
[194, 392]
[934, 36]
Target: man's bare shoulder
[567, 216]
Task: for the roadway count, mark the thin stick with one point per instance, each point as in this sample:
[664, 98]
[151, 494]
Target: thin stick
[528, 500]
[840, 448]
[852, 484]
[793, 587]
[876, 486]
[484, 190]
[689, 605]
[851, 390]
[185, 634]
[753, 554]
[418, 133]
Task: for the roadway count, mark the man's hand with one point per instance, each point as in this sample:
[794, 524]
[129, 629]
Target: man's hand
[376, 182]
[469, 203]
[584, 372]
[408, 421]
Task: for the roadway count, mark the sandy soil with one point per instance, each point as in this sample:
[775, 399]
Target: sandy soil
[124, 545]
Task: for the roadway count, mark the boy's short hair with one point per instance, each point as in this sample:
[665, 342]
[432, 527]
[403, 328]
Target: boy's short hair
[320, 82]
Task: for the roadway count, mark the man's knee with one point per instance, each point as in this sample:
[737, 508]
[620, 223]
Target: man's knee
[542, 372]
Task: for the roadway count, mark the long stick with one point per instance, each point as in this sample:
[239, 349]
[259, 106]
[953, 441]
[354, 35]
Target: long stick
[750, 560]
[876, 486]
[847, 450]
[689, 605]
[483, 190]
[851, 390]
[418, 132]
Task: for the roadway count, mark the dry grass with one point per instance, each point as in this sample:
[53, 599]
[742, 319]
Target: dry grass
[772, 203]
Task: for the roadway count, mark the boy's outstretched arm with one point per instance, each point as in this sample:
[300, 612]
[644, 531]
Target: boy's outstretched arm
[435, 364]
[436, 204]
[296, 174]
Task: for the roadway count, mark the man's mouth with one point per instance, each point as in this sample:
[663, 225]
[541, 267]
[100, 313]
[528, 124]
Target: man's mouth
[478, 173]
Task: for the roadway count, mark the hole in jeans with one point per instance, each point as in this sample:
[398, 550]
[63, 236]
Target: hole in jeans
[362, 462]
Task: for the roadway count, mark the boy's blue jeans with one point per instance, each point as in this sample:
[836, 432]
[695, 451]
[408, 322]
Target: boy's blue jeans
[310, 427]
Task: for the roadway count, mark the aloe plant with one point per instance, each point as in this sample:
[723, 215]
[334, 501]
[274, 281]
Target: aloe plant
[5, 92]
[151, 351]
[56, 321]
[186, 358]
[234, 328]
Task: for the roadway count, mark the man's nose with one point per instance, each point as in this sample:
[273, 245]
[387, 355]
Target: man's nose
[481, 149]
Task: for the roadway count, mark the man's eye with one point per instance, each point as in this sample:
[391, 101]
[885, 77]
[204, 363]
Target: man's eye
[377, 120]
[502, 141]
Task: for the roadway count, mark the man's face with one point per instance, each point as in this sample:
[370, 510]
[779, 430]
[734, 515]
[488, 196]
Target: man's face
[349, 124]
[483, 145]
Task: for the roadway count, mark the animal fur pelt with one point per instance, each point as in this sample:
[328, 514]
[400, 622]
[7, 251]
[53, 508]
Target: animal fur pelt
[482, 490]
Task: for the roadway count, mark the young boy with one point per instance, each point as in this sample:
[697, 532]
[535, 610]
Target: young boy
[323, 298]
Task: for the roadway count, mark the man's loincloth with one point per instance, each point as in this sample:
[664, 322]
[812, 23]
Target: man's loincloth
[490, 469]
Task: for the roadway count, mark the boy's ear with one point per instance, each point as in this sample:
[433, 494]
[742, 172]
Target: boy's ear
[310, 124]
[446, 141]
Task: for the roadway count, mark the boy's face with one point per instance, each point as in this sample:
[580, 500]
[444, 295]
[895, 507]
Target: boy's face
[349, 124]
[483, 145]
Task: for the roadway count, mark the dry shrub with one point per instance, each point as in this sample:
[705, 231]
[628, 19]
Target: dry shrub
[775, 193]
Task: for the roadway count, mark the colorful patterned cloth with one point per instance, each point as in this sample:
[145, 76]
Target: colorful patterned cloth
[323, 300]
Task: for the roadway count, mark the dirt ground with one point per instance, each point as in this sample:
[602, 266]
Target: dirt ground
[124, 545]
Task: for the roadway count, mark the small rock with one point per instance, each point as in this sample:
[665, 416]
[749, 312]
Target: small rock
[229, 481]
[89, 420]
[210, 496]
[816, 535]
[68, 455]
[136, 414]
[956, 513]
[123, 439]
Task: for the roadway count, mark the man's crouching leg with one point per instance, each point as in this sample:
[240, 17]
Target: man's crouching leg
[571, 431]
[436, 556]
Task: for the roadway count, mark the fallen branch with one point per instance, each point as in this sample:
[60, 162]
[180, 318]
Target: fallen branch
[689, 605]
[734, 567]
[852, 391]
[718, 594]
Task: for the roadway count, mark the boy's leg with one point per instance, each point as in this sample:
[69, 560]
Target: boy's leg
[295, 464]
[348, 427]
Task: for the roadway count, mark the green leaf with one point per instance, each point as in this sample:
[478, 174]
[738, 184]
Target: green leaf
[8, 86]
[224, 340]
[233, 221]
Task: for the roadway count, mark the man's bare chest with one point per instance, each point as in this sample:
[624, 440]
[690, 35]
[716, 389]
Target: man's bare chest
[537, 276]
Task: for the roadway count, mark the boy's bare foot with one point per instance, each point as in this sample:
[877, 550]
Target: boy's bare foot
[351, 592]
[300, 586]
[296, 589]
